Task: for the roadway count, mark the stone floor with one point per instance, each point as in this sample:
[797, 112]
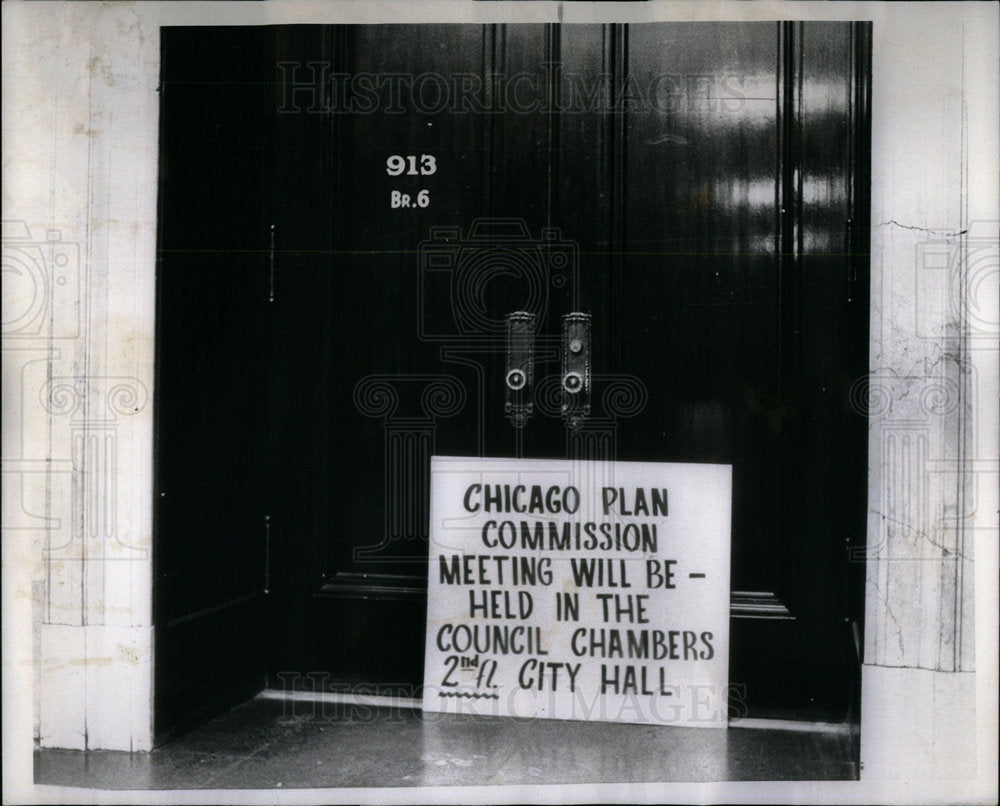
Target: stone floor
[270, 743]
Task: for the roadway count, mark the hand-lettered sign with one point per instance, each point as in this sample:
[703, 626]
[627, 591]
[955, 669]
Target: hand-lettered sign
[579, 590]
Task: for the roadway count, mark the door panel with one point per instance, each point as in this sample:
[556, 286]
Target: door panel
[693, 187]
[700, 276]
[209, 575]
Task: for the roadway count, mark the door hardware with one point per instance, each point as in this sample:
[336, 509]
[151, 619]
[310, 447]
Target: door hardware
[576, 368]
[518, 405]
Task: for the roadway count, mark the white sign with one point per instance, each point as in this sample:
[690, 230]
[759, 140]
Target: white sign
[579, 590]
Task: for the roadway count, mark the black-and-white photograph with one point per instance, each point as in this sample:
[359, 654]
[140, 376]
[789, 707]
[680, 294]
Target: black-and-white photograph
[481, 402]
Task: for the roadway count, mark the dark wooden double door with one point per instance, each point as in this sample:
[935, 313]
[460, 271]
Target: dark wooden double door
[700, 190]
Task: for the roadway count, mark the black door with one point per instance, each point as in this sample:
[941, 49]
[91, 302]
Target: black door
[693, 188]
[211, 377]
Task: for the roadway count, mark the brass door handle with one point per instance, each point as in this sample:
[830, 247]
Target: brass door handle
[520, 376]
[575, 367]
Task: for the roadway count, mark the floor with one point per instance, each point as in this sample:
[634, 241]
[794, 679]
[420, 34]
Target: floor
[271, 743]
